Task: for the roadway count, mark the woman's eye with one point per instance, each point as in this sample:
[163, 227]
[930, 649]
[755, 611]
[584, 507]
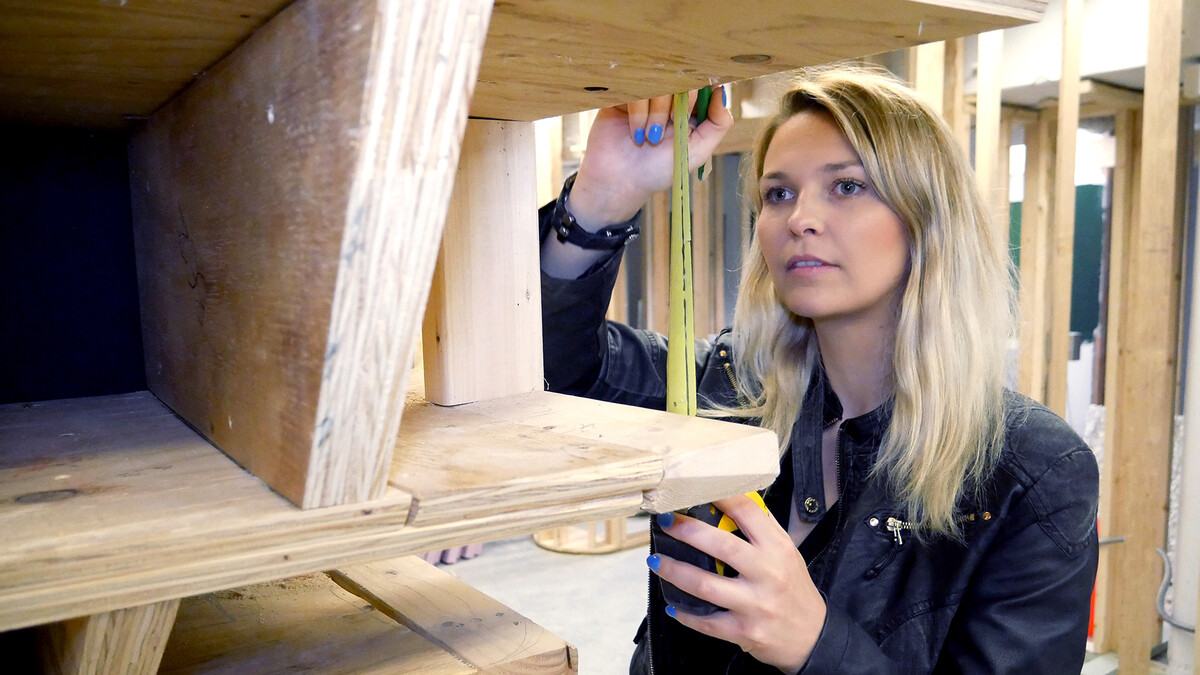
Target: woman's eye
[774, 195]
[847, 187]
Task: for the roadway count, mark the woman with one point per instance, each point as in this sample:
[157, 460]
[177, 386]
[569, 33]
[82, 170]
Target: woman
[925, 519]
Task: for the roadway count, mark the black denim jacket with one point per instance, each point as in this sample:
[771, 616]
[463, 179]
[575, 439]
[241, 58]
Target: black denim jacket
[1012, 596]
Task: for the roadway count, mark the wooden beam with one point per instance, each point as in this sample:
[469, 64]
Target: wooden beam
[279, 297]
[509, 454]
[1063, 222]
[988, 143]
[1036, 213]
[1124, 210]
[437, 606]
[121, 642]
[954, 107]
[487, 323]
[658, 249]
[1144, 404]
[144, 510]
[301, 624]
[556, 56]
[927, 72]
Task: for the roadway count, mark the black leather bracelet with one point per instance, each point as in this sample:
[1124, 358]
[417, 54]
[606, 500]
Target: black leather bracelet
[569, 231]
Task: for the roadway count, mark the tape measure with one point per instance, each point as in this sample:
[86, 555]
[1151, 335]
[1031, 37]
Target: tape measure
[681, 356]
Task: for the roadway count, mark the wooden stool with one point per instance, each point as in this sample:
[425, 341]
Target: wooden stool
[588, 539]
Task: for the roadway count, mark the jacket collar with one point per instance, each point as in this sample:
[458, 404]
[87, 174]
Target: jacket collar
[859, 437]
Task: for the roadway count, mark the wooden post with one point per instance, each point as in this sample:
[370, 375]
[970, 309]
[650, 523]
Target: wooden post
[954, 107]
[123, 642]
[1063, 222]
[1123, 212]
[987, 124]
[1142, 410]
[1036, 212]
[487, 323]
[287, 228]
[926, 72]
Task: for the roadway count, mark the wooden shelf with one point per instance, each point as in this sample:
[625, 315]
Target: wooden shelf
[104, 64]
[401, 615]
[113, 502]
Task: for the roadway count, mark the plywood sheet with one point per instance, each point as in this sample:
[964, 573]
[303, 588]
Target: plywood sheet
[93, 63]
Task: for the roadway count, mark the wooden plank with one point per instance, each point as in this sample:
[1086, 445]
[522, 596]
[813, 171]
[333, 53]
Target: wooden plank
[704, 272]
[1063, 222]
[603, 53]
[122, 642]
[546, 448]
[114, 502]
[1124, 209]
[93, 64]
[1036, 212]
[278, 296]
[303, 624]
[927, 73]
[477, 629]
[658, 249]
[954, 107]
[487, 323]
[987, 124]
[87, 63]
[1144, 403]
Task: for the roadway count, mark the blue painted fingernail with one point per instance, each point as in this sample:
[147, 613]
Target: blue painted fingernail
[665, 519]
[653, 562]
[656, 133]
[670, 611]
[639, 136]
[724, 98]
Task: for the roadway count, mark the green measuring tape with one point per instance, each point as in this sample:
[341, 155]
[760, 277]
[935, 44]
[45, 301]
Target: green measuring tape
[681, 333]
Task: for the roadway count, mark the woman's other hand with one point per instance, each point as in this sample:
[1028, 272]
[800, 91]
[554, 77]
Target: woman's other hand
[774, 611]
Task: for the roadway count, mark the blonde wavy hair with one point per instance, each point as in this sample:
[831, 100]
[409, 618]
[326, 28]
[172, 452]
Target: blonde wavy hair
[955, 313]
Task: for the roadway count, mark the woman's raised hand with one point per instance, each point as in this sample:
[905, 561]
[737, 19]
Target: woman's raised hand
[630, 156]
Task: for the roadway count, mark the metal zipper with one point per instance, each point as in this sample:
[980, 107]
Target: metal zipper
[728, 369]
[896, 526]
[837, 469]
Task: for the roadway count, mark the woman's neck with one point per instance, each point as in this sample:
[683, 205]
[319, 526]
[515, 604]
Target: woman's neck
[857, 362]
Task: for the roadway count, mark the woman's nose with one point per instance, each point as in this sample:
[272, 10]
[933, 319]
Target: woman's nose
[805, 218]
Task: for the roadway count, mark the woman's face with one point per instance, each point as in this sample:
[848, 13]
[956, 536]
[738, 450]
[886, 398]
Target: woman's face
[835, 251]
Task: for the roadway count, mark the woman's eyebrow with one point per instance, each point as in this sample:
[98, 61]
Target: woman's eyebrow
[835, 167]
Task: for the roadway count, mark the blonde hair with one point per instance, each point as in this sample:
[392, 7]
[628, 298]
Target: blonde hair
[955, 312]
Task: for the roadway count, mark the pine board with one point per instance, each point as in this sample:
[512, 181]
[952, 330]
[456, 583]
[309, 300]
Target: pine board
[104, 63]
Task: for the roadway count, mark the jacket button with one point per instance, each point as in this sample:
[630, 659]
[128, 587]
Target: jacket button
[874, 522]
[810, 505]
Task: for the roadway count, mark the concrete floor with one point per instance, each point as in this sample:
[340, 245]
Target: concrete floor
[594, 602]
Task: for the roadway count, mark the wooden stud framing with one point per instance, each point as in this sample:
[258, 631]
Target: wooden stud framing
[1142, 409]
[122, 642]
[987, 122]
[926, 72]
[477, 629]
[1036, 212]
[482, 332]
[1063, 220]
[1124, 209]
[954, 107]
[287, 229]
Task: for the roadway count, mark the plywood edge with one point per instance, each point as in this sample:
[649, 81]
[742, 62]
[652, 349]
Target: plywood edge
[413, 119]
[530, 449]
[299, 624]
[456, 617]
[129, 641]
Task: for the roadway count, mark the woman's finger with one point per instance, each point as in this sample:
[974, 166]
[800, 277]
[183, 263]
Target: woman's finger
[657, 119]
[638, 112]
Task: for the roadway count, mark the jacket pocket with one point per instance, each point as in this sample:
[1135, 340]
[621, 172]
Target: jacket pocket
[890, 526]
